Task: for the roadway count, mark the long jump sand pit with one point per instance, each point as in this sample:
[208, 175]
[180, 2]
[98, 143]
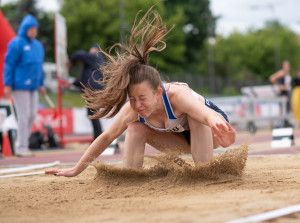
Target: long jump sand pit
[169, 189]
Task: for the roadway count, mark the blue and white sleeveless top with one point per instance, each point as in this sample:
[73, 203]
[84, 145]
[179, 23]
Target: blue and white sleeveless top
[175, 124]
[180, 124]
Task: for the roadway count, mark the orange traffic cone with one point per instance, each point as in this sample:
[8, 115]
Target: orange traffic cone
[6, 148]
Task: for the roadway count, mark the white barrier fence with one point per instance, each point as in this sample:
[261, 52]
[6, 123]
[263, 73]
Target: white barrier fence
[259, 106]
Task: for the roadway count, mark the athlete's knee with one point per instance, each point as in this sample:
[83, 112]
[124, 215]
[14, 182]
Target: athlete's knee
[137, 128]
[193, 123]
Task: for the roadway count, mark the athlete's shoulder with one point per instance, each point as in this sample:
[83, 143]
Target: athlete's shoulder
[178, 91]
[175, 88]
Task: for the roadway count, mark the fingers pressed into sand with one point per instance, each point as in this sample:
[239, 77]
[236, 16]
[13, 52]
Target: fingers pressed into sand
[56, 172]
[71, 172]
[51, 171]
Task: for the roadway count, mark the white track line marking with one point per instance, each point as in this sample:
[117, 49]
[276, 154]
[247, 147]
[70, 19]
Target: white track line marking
[268, 215]
[23, 174]
[38, 166]
[31, 167]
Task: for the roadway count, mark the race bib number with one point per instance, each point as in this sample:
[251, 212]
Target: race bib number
[177, 128]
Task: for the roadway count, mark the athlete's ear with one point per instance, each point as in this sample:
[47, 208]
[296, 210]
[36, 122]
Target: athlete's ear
[159, 91]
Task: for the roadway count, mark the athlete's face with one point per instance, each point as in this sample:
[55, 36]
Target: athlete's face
[143, 99]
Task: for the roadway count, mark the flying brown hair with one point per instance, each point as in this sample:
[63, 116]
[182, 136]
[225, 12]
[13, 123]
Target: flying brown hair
[129, 67]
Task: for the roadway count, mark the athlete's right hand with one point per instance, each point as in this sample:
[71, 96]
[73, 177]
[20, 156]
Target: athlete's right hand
[224, 134]
[62, 172]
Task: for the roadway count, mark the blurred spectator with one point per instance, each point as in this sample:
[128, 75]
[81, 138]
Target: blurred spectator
[23, 77]
[91, 61]
[296, 96]
[282, 79]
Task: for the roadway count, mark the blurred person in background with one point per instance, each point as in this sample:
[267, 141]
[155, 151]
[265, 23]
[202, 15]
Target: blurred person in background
[296, 97]
[282, 79]
[90, 73]
[23, 77]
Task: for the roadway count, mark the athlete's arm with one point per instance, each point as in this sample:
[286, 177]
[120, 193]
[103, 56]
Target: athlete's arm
[184, 102]
[125, 116]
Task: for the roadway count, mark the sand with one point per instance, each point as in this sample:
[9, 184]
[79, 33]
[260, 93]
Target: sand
[168, 189]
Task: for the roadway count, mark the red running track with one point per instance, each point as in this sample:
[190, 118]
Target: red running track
[74, 157]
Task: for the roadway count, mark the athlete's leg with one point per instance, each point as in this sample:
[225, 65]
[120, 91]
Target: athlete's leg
[202, 141]
[134, 146]
[138, 134]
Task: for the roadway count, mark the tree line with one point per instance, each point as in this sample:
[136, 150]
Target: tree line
[251, 56]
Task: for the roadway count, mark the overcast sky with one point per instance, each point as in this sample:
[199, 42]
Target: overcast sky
[235, 14]
[244, 14]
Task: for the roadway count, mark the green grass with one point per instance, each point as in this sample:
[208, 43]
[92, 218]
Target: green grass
[70, 99]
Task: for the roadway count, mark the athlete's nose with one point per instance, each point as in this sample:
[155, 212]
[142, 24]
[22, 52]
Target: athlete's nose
[138, 104]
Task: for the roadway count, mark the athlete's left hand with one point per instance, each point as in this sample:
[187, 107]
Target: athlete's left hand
[225, 135]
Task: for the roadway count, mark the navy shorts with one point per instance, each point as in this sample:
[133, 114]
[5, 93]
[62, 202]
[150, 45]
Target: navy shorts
[187, 136]
[208, 103]
[211, 105]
